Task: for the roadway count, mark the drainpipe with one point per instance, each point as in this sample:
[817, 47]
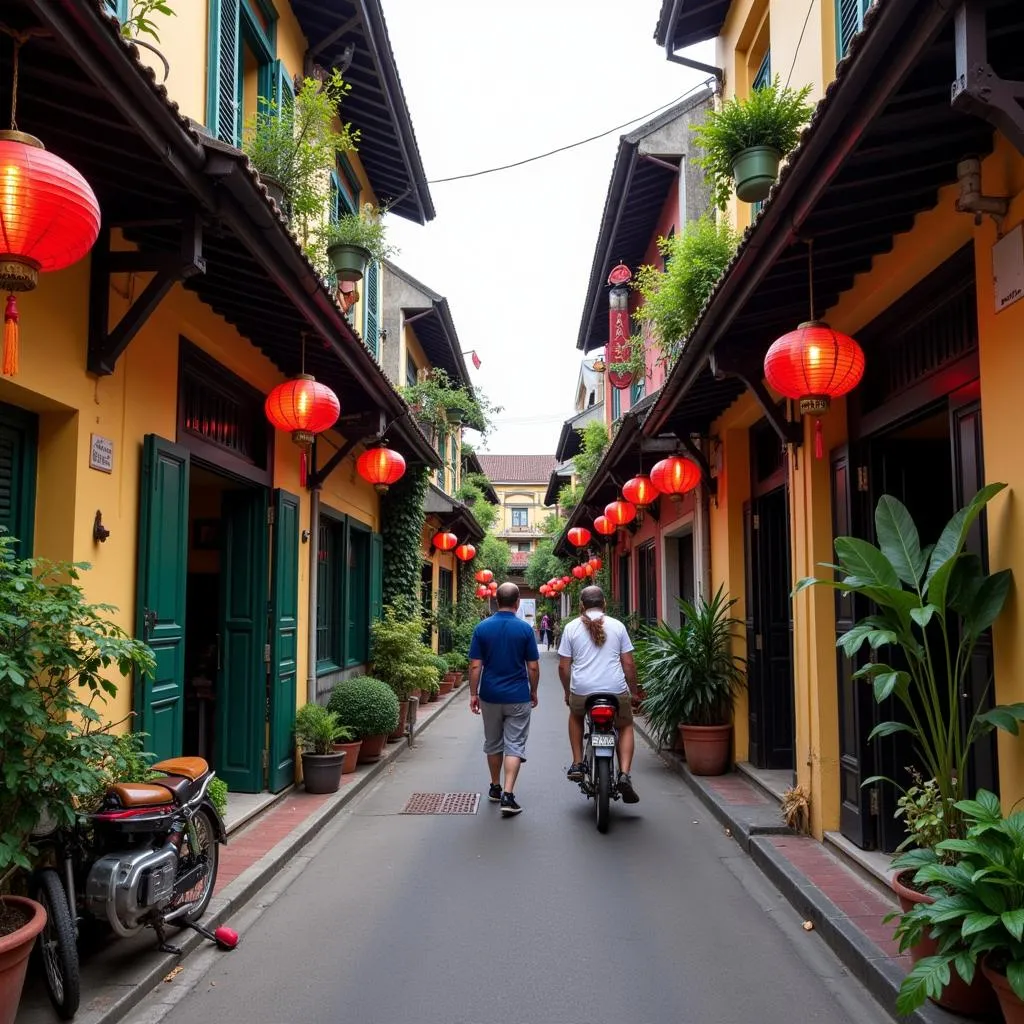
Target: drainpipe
[314, 556]
[670, 54]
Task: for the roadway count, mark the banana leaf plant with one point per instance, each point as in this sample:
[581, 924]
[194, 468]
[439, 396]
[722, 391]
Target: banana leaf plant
[931, 604]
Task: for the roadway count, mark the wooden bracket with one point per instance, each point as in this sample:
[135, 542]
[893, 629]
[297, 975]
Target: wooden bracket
[789, 433]
[107, 344]
[370, 425]
[701, 459]
[977, 89]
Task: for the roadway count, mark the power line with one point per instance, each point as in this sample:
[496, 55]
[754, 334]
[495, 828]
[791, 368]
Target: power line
[572, 145]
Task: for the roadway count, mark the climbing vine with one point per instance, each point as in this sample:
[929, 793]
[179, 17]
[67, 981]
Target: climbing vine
[402, 519]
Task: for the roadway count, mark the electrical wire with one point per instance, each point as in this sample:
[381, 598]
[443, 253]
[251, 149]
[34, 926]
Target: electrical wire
[574, 145]
[807, 17]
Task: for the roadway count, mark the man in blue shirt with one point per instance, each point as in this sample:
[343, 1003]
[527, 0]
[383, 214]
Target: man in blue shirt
[504, 670]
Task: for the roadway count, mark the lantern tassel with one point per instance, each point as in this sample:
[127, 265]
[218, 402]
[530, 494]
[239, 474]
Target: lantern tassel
[819, 441]
[303, 469]
[11, 359]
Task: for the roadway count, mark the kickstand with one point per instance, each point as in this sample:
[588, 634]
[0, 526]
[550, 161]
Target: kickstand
[161, 934]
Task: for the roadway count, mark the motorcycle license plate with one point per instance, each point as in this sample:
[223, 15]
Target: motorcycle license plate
[602, 740]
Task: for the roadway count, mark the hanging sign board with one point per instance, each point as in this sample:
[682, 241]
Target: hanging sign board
[618, 326]
[1008, 268]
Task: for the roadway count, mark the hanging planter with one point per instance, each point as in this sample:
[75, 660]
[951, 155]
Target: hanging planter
[353, 240]
[276, 191]
[455, 415]
[755, 170]
[349, 261]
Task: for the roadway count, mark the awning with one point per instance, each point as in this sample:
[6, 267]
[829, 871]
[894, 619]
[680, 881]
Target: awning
[686, 22]
[452, 515]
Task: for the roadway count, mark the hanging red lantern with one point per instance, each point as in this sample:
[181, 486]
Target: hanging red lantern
[493, 586]
[639, 490]
[675, 476]
[579, 536]
[620, 512]
[566, 580]
[483, 576]
[481, 591]
[812, 365]
[465, 552]
[543, 589]
[445, 541]
[577, 571]
[588, 569]
[604, 526]
[596, 563]
[381, 467]
[49, 219]
[304, 408]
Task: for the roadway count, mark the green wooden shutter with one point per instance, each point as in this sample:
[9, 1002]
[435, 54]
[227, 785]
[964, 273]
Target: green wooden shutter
[376, 576]
[284, 637]
[18, 441]
[849, 21]
[357, 594]
[616, 404]
[371, 300]
[224, 102]
[283, 89]
[764, 72]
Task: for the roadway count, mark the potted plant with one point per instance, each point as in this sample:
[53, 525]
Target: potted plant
[930, 606]
[438, 398]
[58, 657]
[399, 657]
[346, 741]
[369, 708]
[692, 672]
[315, 730]
[744, 142]
[294, 146]
[457, 663]
[354, 240]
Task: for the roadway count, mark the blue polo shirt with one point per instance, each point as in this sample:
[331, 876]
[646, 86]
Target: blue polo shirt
[504, 643]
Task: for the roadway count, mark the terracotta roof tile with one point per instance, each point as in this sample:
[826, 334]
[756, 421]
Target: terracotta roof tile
[518, 469]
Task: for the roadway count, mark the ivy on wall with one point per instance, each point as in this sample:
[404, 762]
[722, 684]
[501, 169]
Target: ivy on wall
[402, 519]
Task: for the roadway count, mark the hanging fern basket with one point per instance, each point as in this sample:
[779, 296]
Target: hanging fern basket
[349, 261]
[754, 170]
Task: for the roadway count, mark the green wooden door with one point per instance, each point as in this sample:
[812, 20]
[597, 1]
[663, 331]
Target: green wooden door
[376, 576]
[357, 595]
[18, 440]
[242, 683]
[284, 638]
[160, 595]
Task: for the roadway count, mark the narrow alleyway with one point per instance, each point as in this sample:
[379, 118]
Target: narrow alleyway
[470, 919]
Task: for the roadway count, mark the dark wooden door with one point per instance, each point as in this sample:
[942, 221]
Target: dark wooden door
[284, 620]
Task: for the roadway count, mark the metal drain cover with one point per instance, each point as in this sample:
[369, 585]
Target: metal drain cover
[442, 803]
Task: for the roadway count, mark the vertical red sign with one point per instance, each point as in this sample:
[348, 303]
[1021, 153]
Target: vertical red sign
[618, 336]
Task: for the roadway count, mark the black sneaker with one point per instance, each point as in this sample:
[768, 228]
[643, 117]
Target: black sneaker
[494, 792]
[577, 770]
[509, 807]
[626, 790]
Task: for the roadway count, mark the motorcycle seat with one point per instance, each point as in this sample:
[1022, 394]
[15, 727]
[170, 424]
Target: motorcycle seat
[190, 767]
[603, 698]
[141, 794]
[181, 787]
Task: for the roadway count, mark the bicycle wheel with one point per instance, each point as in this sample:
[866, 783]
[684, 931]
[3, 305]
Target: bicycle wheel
[603, 765]
[58, 948]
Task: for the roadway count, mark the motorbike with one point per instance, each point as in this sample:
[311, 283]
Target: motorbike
[600, 745]
[147, 857]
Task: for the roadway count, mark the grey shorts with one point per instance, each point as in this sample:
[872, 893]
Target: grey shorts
[506, 727]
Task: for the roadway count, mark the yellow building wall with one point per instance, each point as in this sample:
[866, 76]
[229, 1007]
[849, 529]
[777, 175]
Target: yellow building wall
[515, 495]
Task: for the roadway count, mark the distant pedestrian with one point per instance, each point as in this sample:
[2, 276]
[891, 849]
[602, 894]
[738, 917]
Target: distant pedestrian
[504, 671]
[545, 630]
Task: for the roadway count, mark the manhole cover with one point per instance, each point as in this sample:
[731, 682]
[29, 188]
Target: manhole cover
[442, 803]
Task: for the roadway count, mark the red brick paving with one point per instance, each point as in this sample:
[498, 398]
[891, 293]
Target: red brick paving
[738, 791]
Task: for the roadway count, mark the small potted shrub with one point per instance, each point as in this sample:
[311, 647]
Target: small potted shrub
[369, 708]
[692, 672]
[346, 741]
[315, 730]
[457, 665]
[399, 657]
[744, 142]
[354, 240]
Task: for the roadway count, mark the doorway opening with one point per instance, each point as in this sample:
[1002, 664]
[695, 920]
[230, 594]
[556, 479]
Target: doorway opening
[680, 574]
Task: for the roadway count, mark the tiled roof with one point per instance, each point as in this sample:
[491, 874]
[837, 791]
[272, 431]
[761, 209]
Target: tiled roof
[517, 469]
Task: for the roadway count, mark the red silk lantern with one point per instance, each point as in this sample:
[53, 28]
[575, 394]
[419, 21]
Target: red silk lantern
[639, 490]
[465, 552]
[303, 407]
[543, 588]
[381, 467]
[566, 580]
[675, 476]
[483, 576]
[620, 512]
[588, 569]
[481, 591]
[595, 563]
[493, 586]
[445, 541]
[49, 219]
[604, 526]
[579, 536]
[577, 571]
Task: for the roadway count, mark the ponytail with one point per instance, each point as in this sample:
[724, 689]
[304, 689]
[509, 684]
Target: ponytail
[595, 628]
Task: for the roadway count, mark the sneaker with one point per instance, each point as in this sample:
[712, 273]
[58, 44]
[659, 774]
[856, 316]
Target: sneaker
[509, 807]
[626, 790]
[577, 770]
[494, 792]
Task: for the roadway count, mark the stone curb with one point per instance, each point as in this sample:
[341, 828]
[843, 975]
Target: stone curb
[865, 961]
[242, 889]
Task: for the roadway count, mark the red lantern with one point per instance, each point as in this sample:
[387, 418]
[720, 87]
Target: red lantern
[620, 512]
[481, 591]
[304, 408]
[483, 576]
[604, 526]
[381, 467]
[566, 580]
[596, 564]
[577, 571]
[49, 219]
[493, 586]
[465, 552]
[675, 476]
[639, 490]
[445, 541]
[579, 536]
[588, 569]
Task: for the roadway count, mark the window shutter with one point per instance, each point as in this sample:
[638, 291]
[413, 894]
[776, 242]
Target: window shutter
[18, 477]
[224, 108]
[371, 299]
[849, 21]
[284, 90]
[764, 72]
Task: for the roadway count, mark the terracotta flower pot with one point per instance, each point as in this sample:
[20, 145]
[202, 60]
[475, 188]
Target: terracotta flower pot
[446, 687]
[707, 748]
[403, 714]
[1009, 1002]
[372, 747]
[321, 773]
[971, 1000]
[351, 755]
[14, 952]
[435, 695]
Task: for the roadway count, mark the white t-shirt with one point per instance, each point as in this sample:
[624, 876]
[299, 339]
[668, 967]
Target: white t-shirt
[596, 669]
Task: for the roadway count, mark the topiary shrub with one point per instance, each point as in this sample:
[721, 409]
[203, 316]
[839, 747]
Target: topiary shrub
[365, 705]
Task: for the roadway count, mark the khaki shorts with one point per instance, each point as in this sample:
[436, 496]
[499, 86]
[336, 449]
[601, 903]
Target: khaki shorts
[578, 706]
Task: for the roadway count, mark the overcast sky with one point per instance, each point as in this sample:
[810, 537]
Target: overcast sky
[489, 83]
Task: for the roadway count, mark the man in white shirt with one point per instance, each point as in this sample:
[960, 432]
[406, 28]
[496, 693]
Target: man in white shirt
[595, 655]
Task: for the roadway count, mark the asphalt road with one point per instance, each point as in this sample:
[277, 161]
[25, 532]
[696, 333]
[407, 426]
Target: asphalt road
[399, 919]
